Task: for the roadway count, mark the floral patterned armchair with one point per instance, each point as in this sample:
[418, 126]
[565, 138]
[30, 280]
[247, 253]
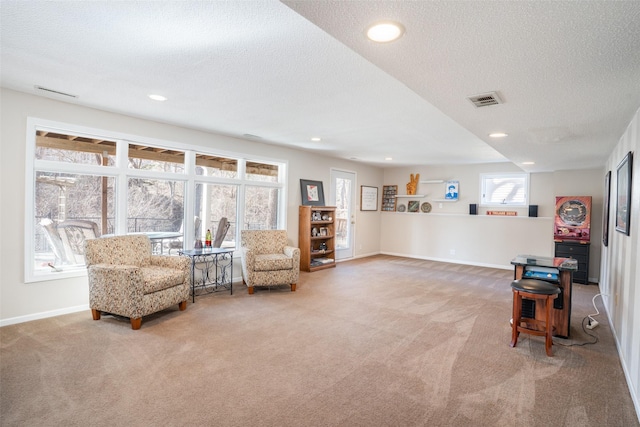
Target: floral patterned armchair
[267, 260]
[125, 279]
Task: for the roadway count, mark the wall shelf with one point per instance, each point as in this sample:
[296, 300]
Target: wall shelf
[409, 195]
[432, 181]
[444, 200]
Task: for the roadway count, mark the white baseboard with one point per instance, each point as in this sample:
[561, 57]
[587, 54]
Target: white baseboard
[46, 314]
[451, 261]
[43, 315]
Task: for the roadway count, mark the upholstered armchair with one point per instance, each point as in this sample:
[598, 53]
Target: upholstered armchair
[125, 279]
[268, 260]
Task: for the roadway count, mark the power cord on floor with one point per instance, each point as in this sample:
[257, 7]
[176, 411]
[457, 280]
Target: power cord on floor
[593, 322]
[579, 344]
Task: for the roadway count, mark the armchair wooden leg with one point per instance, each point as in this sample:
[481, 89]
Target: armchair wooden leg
[182, 305]
[95, 314]
[136, 323]
[293, 287]
[250, 290]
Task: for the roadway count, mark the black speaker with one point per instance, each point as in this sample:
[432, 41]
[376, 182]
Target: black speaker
[533, 210]
[473, 209]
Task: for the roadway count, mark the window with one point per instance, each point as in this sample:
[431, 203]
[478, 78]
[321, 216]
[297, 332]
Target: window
[154, 205]
[60, 147]
[507, 189]
[261, 208]
[88, 183]
[159, 159]
[69, 208]
[218, 201]
[262, 172]
[220, 167]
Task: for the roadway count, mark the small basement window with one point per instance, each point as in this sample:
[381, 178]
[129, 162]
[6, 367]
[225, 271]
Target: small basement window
[504, 189]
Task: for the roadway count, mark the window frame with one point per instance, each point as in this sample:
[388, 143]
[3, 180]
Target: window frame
[484, 177]
[122, 173]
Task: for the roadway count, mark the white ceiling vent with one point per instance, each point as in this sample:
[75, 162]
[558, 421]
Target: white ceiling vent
[54, 92]
[485, 99]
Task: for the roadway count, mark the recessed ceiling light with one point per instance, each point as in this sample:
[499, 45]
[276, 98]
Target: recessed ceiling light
[388, 158]
[384, 32]
[498, 135]
[157, 97]
[316, 139]
[528, 163]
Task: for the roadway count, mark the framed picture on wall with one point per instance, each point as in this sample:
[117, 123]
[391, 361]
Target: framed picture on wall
[312, 192]
[368, 198]
[606, 209]
[451, 190]
[623, 194]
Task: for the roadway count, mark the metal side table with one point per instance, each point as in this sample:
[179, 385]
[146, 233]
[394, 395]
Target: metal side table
[216, 269]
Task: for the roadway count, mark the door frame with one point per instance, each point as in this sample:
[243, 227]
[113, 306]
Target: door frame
[351, 226]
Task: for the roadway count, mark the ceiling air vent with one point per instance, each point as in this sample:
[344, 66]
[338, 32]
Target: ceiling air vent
[485, 99]
[54, 92]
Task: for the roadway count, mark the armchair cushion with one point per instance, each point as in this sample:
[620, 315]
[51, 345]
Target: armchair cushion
[158, 278]
[271, 262]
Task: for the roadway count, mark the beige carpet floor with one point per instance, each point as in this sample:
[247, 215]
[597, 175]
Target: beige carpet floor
[380, 341]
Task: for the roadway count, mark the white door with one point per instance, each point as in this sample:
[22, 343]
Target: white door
[343, 193]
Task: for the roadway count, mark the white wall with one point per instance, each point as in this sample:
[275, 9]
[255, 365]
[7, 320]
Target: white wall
[449, 233]
[22, 301]
[620, 279]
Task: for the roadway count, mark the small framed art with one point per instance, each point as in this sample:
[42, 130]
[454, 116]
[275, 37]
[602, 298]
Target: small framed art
[413, 205]
[623, 194]
[312, 192]
[451, 190]
[368, 198]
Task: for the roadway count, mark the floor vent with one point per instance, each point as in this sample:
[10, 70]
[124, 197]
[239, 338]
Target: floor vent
[485, 99]
[55, 92]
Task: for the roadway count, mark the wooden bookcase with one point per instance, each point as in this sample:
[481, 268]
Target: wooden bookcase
[316, 228]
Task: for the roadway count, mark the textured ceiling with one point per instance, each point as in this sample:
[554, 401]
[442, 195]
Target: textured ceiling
[568, 72]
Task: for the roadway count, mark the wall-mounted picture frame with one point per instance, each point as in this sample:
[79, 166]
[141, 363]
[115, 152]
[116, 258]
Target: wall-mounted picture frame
[451, 190]
[413, 205]
[312, 192]
[606, 208]
[368, 198]
[623, 194]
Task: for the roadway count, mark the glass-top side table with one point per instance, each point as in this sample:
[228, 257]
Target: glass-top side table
[214, 267]
[550, 262]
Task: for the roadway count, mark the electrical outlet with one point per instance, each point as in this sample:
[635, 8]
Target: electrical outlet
[452, 251]
[592, 324]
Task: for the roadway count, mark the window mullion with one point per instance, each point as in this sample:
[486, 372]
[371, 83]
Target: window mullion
[189, 198]
[122, 160]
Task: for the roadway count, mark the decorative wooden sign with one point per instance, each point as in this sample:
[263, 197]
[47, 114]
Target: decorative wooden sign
[503, 213]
